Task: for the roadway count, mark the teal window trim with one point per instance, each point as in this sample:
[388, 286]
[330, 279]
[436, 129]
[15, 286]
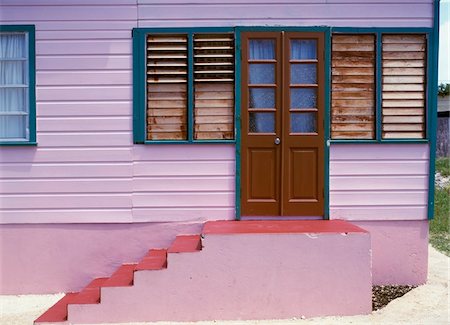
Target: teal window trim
[327, 91]
[237, 120]
[30, 30]
[432, 96]
[140, 90]
[379, 32]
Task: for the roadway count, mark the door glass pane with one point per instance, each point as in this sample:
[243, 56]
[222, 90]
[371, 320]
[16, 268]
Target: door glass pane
[303, 73]
[262, 122]
[262, 49]
[262, 73]
[303, 97]
[262, 98]
[305, 49]
[303, 122]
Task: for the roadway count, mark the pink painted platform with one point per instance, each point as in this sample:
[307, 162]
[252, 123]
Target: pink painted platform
[235, 270]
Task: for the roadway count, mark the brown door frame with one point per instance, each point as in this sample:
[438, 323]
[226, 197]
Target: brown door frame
[282, 118]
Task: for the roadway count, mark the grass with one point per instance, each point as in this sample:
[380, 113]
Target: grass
[439, 226]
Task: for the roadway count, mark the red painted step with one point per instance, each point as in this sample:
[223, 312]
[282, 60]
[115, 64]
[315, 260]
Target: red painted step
[123, 277]
[280, 227]
[58, 312]
[186, 243]
[156, 259]
[91, 293]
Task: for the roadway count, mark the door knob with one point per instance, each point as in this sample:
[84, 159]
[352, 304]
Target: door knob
[277, 140]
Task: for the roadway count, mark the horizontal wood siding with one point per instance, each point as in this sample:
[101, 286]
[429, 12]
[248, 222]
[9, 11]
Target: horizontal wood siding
[379, 182]
[373, 13]
[404, 84]
[183, 182]
[81, 170]
[213, 86]
[167, 74]
[353, 87]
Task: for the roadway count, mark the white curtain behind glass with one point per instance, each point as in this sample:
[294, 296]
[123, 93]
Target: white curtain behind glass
[13, 86]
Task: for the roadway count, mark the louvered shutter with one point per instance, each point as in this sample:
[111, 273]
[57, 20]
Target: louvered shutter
[167, 74]
[353, 87]
[404, 62]
[214, 86]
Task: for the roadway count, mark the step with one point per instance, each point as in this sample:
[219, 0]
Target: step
[280, 227]
[185, 244]
[156, 259]
[245, 270]
[91, 293]
[122, 277]
[58, 312]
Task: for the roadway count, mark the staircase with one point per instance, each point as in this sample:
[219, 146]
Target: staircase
[234, 270]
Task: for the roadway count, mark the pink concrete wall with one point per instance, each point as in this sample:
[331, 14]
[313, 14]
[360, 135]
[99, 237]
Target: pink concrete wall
[399, 251]
[310, 274]
[60, 258]
[379, 182]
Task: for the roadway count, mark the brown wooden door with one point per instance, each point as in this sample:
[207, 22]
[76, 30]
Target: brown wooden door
[282, 124]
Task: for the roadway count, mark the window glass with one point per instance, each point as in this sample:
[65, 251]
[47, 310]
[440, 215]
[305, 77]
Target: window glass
[14, 108]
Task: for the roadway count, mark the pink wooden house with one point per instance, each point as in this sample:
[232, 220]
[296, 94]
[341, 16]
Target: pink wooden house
[199, 160]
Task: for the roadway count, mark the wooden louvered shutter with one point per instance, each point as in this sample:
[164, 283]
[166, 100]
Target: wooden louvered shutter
[404, 62]
[167, 87]
[214, 86]
[353, 87]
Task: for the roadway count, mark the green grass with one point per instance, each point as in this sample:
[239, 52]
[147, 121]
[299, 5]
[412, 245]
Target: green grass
[439, 226]
[443, 166]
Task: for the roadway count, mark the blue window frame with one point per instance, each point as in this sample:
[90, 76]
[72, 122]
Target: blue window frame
[17, 85]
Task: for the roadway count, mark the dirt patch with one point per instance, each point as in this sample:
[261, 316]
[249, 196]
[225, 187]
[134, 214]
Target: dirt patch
[382, 295]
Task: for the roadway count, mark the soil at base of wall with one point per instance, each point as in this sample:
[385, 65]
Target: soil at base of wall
[382, 295]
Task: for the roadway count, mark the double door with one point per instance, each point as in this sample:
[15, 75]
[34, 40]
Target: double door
[282, 145]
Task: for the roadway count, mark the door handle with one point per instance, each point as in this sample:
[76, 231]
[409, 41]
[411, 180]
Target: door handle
[277, 141]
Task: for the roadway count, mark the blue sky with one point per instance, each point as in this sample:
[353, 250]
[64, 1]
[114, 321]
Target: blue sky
[444, 43]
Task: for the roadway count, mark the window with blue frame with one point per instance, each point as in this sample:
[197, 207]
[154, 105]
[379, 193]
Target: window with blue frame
[17, 80]
[189, 86]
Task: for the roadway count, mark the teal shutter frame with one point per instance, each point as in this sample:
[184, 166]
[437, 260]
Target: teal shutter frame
[139, 83]
[379, 32]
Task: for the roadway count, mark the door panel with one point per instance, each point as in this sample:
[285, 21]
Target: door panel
[303, 175]
[282, 124]
[263, 175]
[302, 131]
[261, 121]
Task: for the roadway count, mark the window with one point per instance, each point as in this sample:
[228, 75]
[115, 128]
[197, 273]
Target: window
[189, 94]
[17, 94]
[378, 86]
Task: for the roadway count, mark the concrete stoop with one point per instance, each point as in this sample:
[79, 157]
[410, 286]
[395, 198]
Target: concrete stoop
[234, 270]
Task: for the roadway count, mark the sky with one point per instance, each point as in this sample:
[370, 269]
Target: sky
[444, 43]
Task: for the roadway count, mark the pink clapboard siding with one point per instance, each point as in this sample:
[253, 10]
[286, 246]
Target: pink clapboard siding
[85, 167]
[194, 182]
[379, 182]
[370, 13]
[81, 170]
